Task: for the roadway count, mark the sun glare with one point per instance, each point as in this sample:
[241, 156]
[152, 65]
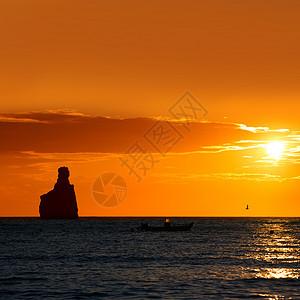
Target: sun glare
[275, 149]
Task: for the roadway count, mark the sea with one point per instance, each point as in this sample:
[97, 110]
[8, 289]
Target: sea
[102, 258]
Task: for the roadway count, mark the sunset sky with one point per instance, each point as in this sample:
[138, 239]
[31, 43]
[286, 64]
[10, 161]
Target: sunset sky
[82, 81]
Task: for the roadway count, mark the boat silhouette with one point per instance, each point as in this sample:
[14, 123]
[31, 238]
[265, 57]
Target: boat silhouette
[167, 227]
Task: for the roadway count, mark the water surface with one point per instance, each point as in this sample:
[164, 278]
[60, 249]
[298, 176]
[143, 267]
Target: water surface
[220, 258]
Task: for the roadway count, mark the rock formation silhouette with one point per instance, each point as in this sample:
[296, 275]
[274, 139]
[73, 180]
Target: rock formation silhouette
[60, 203]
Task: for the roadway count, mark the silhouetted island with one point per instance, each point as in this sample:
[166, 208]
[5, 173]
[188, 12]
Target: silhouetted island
[60, 203]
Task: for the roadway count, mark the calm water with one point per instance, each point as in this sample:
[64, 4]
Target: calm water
[221, 258]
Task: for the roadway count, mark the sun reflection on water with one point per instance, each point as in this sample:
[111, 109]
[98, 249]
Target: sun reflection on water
[272, 297]
[276, 243]
[276, 273]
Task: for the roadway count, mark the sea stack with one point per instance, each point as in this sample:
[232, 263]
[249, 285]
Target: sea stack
[60, 203]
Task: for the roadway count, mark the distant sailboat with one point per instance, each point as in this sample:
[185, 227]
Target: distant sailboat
[247, 207]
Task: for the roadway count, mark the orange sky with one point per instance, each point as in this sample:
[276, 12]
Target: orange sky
[81, 81]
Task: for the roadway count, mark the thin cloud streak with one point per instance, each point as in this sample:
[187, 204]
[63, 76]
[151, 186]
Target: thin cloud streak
[182, 177]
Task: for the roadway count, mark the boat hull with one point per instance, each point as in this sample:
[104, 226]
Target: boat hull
[164, 228]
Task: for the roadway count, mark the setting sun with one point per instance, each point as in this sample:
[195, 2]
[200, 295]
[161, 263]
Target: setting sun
[275, 150]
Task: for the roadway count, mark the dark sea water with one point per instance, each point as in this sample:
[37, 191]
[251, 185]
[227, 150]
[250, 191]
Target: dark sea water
[220, 258]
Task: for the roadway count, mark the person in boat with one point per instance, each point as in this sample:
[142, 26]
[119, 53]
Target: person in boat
[167, 224]
[144, 226]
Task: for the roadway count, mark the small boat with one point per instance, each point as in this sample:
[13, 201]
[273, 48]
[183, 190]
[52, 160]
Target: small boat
[166, 227]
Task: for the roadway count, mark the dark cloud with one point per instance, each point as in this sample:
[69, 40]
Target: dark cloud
[69, 132]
